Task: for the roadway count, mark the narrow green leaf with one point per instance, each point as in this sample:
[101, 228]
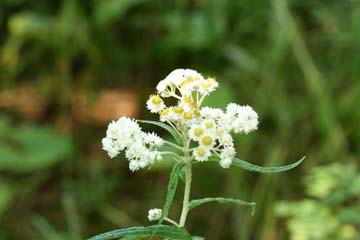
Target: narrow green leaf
[161, 231]
[171, 189]
[255, 168]
[173, 133]
[198, 202]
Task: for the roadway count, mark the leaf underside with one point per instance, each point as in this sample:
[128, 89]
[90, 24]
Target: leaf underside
[161, 231]
[198, 202]
[173, 133]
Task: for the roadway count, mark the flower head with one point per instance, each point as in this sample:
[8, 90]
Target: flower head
[201, 154]
[141, 149]
[154, 214]
[155, 104]
[209, 129]
[241, 119]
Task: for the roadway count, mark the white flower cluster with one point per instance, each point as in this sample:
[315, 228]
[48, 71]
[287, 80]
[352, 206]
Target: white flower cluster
[210, 128]
[141, 148]
[154, 214]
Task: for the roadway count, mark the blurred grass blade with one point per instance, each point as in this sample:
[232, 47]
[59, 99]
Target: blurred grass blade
[198, 202]
[161, 231]
[255, 168]
[171, 189]
[173, 133]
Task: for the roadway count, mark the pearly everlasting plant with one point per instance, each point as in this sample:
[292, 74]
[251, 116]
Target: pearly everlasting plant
[201, 134]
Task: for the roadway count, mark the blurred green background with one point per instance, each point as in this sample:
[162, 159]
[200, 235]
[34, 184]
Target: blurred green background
[67, 67]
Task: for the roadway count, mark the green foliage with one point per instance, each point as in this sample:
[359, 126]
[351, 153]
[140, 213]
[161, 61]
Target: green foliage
[333, 212]
[62, 46]
[153, 231]
[5, 196]
[198, 202]
[173, 133]
[27, 148]
[171, 189]
[255, 168]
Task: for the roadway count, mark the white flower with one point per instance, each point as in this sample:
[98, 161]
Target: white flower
[225, 163]
[175, 113]
[153, 139]
[201, 154]
[188, 118]
[211, 113]
[155, 104]
[226, 140]
[195, 132]
[179, 78]
[249, 119]
[209, 125]
[228, 152]
[109, 145]
[140, 147]
[207, 140]
[120, 132]
[241, 119]
[134, 165]
[114, 130]
[154, 214]
[207, 86]
[210, 128]
[186, 80]
[165, 114]
[220, 131]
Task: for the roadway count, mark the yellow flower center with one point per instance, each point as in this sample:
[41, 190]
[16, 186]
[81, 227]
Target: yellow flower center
[201, 152]
[189, 100]
[196, 112]
[220, 131]
[207, 140]
[188, 116]
[198, 131]
[178, 110]
[164, 112]
[206, 85]
[209, 124]
[188, 81]
[156, 99]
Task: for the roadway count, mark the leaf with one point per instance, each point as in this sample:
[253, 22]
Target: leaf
[173, 133]
[6, 195]
[198, 202]
[171, 189]
[28, 148]
[110, 11]
[133, 237]
[162, 231]
[255, 168]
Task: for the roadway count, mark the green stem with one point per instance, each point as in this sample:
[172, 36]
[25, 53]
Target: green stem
[185, 208]
[171, 221]
[173, 145]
